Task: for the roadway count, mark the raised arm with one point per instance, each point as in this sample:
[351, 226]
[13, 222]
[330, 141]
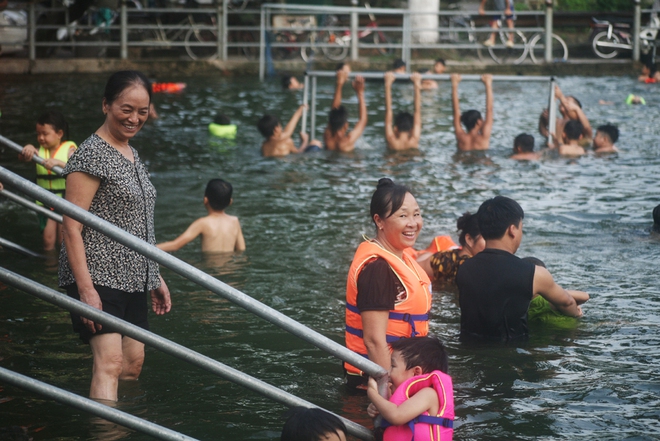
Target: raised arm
[358, 86]
[342, 76]
[455, 79]
[389, 131]
[561, 299]
[194, 230]
[544, 124]
[587, 131]
[304, 142]
[240, 240]
[291, 125]
[416, 78]
[488, 123]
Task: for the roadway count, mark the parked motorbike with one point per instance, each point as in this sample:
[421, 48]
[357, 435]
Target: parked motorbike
[609, 39]
[13, 31]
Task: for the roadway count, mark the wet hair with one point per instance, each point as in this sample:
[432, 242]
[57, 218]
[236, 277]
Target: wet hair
[286, 81]
[122, 80]
[467, 224]
[222, 119]
[441, 61]
[57, 120]
[337, 118]
[535, 261]
[340, 66]
[387, 198]
[304, 424]
[656, 219]
[218, 192]
[267, 124]
[398, 63]
[610, 130]
[426, 352]
[496, 215]
[577, 101]
[573, 129]
[523, 143]
[469, 118]
[404, 121]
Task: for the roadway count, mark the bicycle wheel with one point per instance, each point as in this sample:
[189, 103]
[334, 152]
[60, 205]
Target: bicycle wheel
[537, 49]
[310, 52]
[251, 48]
[337, 48]
[196, 36]
[602, 45]
[502, 54]
[381, 38]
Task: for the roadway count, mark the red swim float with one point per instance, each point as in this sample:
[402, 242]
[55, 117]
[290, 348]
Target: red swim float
[167, 87]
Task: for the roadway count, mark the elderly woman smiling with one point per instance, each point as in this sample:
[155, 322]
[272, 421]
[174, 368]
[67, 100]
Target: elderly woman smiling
[388, 295]
[106, 177]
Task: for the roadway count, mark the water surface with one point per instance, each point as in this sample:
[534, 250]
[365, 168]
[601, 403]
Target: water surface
[303, 216]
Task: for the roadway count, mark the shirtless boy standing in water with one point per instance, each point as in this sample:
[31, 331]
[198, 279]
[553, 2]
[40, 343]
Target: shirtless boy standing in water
[407, 128]
[571, 110]
[220, 232]
[476, 135]
[336, 135]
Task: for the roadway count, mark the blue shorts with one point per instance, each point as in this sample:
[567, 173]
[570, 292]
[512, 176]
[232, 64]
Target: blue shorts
[500, 5]
[129, 306]
[313, 148]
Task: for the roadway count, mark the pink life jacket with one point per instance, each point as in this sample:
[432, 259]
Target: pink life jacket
[426, 427]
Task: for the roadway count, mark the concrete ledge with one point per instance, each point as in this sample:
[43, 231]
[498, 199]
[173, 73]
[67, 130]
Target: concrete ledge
[173, 67]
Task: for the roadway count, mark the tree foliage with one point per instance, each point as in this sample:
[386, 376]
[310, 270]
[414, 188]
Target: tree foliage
[598, 5]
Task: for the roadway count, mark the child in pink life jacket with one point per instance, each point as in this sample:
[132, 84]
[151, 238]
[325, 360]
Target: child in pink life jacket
[421, 405]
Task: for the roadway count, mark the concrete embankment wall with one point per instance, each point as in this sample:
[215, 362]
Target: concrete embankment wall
[162, 67]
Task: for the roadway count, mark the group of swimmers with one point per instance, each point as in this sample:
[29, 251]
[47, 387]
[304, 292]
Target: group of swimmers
[472, 130]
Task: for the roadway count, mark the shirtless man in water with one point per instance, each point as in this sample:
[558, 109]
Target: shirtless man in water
[476, 135]
[336, 135]
[404, 131]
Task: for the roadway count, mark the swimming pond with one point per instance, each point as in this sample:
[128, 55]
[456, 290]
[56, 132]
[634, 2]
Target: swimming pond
[303, 216]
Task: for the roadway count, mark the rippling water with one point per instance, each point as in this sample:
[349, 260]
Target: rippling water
[304, 216]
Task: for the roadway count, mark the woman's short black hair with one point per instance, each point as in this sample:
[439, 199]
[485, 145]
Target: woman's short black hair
[467, 224]
[387, 198]
[313, 424]
[122, 80]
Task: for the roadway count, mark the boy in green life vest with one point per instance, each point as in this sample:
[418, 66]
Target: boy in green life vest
[52, 135]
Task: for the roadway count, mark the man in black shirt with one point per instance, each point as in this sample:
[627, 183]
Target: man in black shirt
[495, 287]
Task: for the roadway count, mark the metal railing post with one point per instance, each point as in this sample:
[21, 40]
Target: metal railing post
[35, 158]
[552, 112]
[637, 22]
[32, 31]
[354, 32]
[123, 31]
[405, 49]
[221, 23]
[313, 110]
[548, 31]
[262, 44]
[305, 102]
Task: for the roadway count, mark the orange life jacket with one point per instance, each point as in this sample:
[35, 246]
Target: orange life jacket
[167, 87]
[439, 243]
[410, 317]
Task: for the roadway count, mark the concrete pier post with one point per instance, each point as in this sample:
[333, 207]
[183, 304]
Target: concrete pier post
[32, 32]
[123, 31]
[354, 32]
[637, 21]
[548, 31]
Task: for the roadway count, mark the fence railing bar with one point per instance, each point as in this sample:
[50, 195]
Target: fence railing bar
[18, 248]
[166, 346]
[91, 406]
[31, 205]
[36, 158]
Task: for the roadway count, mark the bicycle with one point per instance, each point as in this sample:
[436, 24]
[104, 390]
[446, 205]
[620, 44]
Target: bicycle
[608, 39]
[335, 45]
[287, 41]
[502, 52]
[537, 51]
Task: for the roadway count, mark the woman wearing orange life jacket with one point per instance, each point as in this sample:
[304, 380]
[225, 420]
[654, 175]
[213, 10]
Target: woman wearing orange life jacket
[388, 295]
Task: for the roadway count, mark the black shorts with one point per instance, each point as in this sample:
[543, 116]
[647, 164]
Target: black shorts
[128, 306]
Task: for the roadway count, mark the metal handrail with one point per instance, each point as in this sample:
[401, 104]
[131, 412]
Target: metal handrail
[36, 158]
[166, 346]
[31, 205]
[91, 406]
[193, 274]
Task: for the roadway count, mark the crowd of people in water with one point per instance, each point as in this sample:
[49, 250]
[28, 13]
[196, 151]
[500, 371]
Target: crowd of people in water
[388, 290]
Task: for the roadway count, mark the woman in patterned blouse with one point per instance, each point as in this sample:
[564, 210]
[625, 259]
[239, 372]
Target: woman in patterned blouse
[106, 177]
[443, 265]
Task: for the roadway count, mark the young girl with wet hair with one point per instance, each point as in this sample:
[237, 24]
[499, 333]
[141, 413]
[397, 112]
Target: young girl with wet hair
[443, 265]
[56, 149]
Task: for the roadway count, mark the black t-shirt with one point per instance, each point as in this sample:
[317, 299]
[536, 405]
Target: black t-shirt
[379, 289]
[495, 288]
